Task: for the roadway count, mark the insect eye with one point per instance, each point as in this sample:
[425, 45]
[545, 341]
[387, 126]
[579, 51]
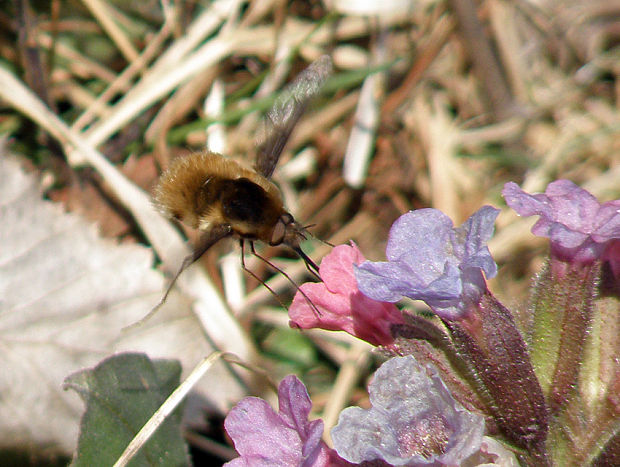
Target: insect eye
[279, 230]
[286, 218]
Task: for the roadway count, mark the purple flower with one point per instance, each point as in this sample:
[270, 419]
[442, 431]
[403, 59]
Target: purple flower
[413, 421]
[430, 260]
[263, 437]
[578, 226]
[612, 255]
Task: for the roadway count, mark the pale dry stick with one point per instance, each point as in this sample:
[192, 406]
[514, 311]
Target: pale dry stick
[439, 136]
[257, 11]
[73, 91]
[202, 27]
[151, 88]
[148, 91]
[506, 130]
[323, 120]
[269, 85]
[101, 11]
[213, 107]
[177, 106]
[166, 74]
[233, 280]
[350, 57]
[185, 96]
[502, 16]
[141, 96]
[299, 167]
[215, 317]
[169, 405]
[348, 376]
[361, 144]
[123, 81]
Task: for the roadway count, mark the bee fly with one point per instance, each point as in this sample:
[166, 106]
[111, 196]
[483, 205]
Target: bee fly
[222, 197]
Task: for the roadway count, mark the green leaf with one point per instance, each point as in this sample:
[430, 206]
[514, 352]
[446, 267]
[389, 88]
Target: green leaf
[291, 345]
[121, 393]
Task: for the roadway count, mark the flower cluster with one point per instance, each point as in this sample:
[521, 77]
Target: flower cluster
[471, 371]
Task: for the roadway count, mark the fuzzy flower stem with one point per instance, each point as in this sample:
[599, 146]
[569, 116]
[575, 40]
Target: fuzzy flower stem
[490, 340]
[563, 300]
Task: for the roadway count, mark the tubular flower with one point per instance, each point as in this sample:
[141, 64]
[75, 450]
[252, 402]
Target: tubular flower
[263, 437]
[430, 260]
[579, 227]
[341, 305]
[413, 421]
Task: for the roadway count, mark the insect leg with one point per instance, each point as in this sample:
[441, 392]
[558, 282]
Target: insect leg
[206, 241]
[246, 269]
[316, 310]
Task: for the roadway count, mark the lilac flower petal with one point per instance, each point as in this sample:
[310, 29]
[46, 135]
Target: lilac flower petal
[259, 434]
[382, 281]
[477, 231]
[413, 421]
[427, 230]
[263, 437]
[314, 433]
[578, 226]
[430, 260]
[609, 221]
[294, 403]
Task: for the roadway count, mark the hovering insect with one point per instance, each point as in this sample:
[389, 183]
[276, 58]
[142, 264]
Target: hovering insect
[222, 197]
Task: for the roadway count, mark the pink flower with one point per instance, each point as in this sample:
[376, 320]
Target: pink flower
[578, 226]
[341, 305]
[265, 438]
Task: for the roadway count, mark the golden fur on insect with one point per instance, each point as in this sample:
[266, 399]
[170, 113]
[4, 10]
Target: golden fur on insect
[181, 189]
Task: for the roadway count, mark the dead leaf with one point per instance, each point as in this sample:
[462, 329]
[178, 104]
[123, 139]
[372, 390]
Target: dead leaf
[65, 296]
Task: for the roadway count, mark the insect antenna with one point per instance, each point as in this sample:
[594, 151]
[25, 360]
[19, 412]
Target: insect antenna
[277, 269]
[325, 242]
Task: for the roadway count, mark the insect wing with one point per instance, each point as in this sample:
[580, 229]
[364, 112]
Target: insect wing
[287, 110]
